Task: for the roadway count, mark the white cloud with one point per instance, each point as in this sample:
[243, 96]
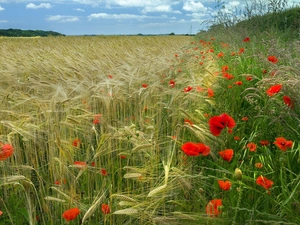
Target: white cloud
[63, 19]
[40, 6]
[79, 10]
[3, 21]
[1, 8]
[193, 6]
[116, 16]
[159, 8]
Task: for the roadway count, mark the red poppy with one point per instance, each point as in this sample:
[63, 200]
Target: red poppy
[252, 147]
[241, 51]
[264, 71]
[105, 209]
[274, 89]
[187, 89]
[210, 92]
[188, 122]
[225, 68]
[288, 101]
[218, 123]
[195, 149]
[97, 118]
[103, 172]
[6, 151]
[283, 144]
[227, 154]
[176, 55]
[224, 185]
[80, 164]
[248, 78]
[110, 76]
[228, 76]
[264, 142]
[272, 59]
[239, 83]
[236, 138]
[264, 182]
[71, 214]
[245, 118]
[76, 142]
[212, 208]
[172, 83]
[258, 165]
[233, 53]
[144, 85]
[221, 54]
[247, 39]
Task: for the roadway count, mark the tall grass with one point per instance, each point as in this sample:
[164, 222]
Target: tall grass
[106, 102]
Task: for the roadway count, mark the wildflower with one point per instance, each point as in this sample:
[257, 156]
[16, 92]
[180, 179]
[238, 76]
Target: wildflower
[144, 85]
[264, 71]
[238, 174]
[76, 142]
[221, 54]
[176, 55]
[93, 164]
[97, 118]
[110, 76]
[103, 172]
[245, 118]
[258, 165]
[272, 59]
[6, 151]
[1, 213]
[288, 101]
[172, 83]
[264, 182]
[224, 185]
[283, 144]
[105, 209]
[236, 138]
[188, 122]
[71, 214]
[274, 89]
[195, 149]
[227, 154]
[252, 147]
[239, 83]
[212, 208]
[242, 50]
[200, 89]
[233, 53]
[247, 39]
[80, 164]
[264, 142]
[225, 68]
[248, 78]
[218, 123]
[210, 92]
[201, 63]
[187, 89]
[123, 156]
[228, 76]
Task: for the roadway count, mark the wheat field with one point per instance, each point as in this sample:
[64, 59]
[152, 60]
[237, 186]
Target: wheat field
[99, 120]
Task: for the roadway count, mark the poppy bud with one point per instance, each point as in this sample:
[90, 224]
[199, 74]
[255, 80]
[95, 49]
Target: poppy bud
[238, 174]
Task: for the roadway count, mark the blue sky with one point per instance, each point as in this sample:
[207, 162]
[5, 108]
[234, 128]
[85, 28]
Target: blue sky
[78, 17]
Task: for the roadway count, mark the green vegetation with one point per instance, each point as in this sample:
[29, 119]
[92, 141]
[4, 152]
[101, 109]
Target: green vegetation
[27, 33]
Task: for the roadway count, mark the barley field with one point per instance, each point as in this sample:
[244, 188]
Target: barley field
[95, 123]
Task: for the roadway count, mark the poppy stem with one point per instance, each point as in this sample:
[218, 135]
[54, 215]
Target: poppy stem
[240, 191]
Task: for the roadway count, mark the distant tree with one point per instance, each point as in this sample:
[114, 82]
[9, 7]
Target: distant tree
[172, 33]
